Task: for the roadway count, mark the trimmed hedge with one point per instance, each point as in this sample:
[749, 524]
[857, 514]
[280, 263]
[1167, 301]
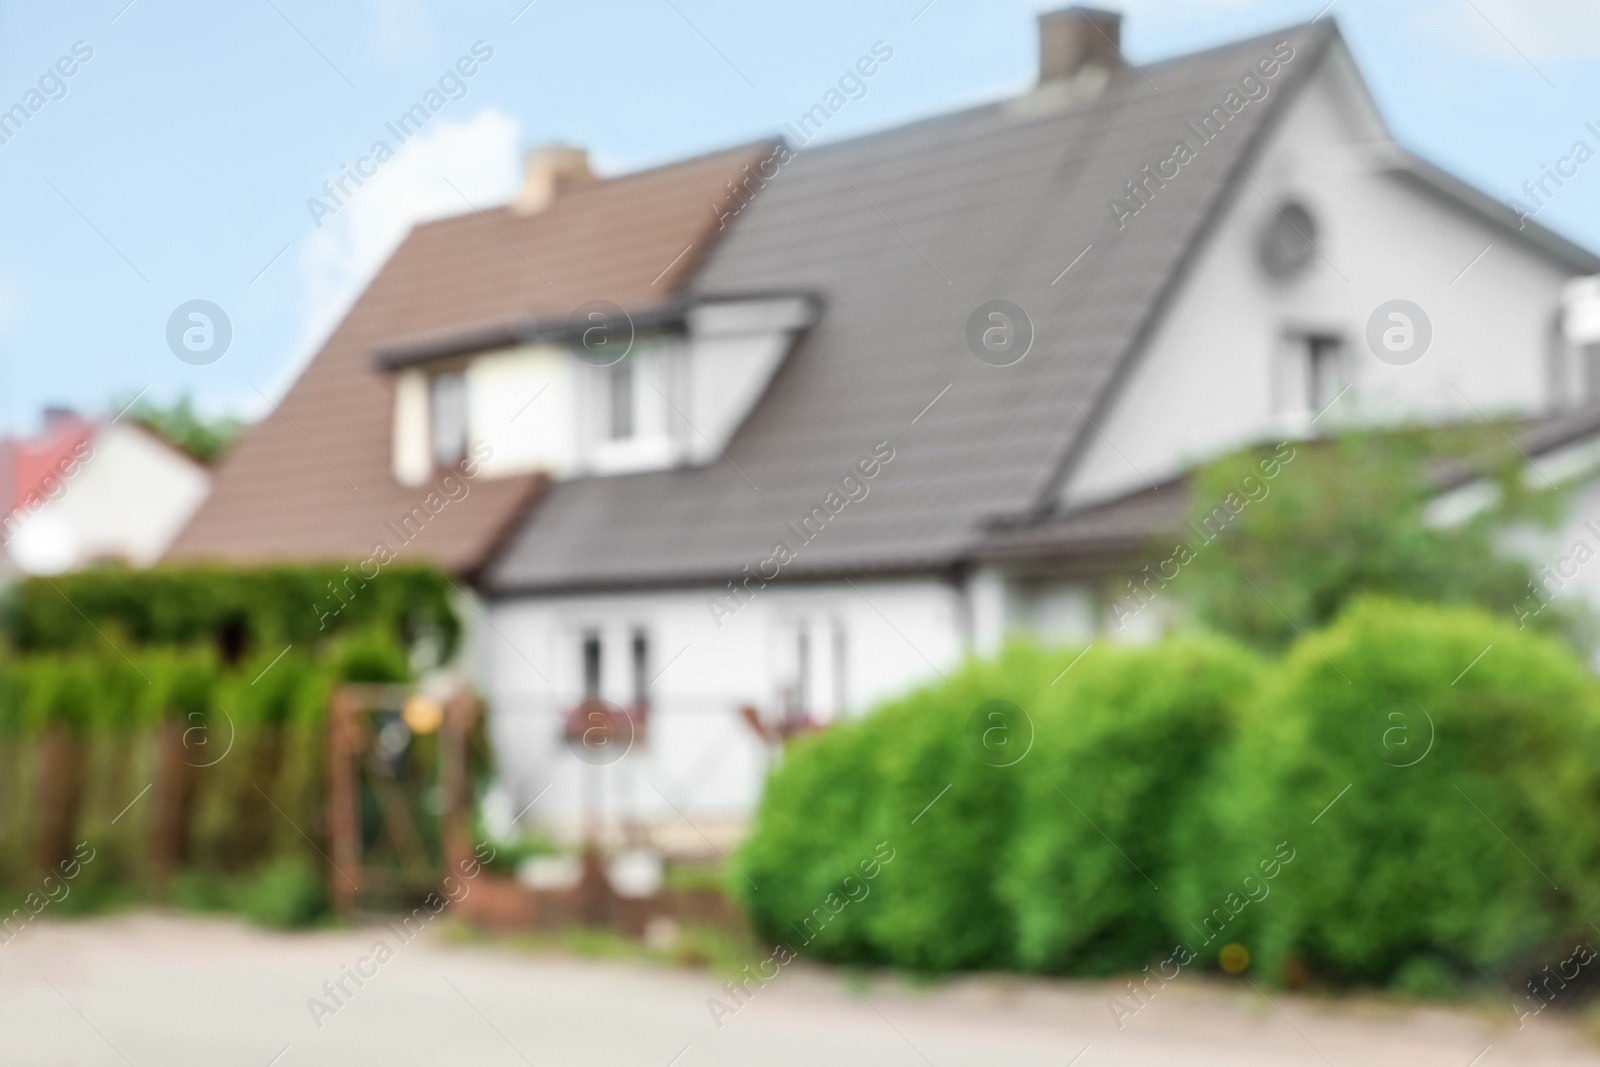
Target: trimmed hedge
[81, 737]
[1126, 741]
[1193, 766]
[173, 722]
[842, 793]
[248, 610]
[1465, 798]
[938, 905]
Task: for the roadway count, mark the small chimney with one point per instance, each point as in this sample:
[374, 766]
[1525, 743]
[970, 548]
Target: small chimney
[55, 417]
[547, 172]
[1076, 38]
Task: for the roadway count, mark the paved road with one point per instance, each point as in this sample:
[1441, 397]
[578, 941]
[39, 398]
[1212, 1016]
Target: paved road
[152, 991]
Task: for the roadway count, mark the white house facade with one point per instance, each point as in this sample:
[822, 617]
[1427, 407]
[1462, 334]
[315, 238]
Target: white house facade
[828, 473]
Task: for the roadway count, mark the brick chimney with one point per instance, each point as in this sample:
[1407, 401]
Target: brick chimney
[1074, 39]
[547, 172]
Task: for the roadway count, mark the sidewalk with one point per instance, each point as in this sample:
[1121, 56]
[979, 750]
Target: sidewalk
[156, 991]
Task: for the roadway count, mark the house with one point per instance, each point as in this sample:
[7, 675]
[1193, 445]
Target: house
[1031, 318]
[760, 439]
[82, 492]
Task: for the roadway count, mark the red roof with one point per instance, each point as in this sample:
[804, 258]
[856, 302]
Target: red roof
[32, 465]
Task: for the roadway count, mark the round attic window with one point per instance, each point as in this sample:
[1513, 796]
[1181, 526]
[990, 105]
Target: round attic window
[1288, 241]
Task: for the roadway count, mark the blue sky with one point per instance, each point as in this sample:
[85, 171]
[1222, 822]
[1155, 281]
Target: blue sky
[179, 162]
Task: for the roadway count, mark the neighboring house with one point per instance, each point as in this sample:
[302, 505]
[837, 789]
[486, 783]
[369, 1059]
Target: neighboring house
[755, 448]
[82, 492]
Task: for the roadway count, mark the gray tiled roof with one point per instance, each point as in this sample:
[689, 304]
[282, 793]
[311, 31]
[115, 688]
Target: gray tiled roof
[905, 233]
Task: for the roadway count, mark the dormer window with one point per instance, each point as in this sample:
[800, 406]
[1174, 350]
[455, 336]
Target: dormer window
[447, 418]
[533, 401]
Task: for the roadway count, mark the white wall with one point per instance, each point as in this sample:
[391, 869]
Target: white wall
[700, 754]
[540, 408]
[520, 401]
[1205, 384]
[126, 501]
[726, 377]
[1565, 557]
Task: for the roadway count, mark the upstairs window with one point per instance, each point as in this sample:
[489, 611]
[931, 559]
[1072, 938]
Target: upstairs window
[1325, 374]
[447, 418]
[1314, 372]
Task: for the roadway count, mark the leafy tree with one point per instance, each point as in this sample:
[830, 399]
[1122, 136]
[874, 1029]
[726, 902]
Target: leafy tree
[182, 427]
[1282, 539]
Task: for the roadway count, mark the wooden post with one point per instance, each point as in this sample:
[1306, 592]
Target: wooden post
[61, 757]
[172, 805]
[343, 820]
[460, 715]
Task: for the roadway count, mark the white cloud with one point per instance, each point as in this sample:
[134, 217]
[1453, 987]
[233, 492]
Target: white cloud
[1543, 31]
[479, 157]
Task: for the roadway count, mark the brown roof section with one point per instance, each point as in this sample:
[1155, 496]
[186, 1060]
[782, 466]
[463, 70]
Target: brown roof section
[313, 479]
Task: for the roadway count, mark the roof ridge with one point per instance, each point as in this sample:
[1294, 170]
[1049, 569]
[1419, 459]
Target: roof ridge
[1327, 31]
[611, 180]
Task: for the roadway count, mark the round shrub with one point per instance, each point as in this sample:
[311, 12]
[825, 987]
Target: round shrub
[909, 805]
[953, 761]
[1125, 741]
[1432, 775]
[813, 828]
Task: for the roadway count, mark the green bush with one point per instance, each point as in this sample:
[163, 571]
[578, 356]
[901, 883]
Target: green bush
[907, 795]
[173, 720]
[286, 892]
[815, 823]
[1465, 797]
[938, 903]
[1366, 811]
[371, 657]
[81, 741]
[1125, 743]
[252, 611]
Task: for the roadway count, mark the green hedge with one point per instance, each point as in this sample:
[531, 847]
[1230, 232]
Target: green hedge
[209, 687]
[81, 737]
[936, 904]
[248, 610]
[1125, 744]
[903, 793]
[1194, 766]
[1465, 797]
